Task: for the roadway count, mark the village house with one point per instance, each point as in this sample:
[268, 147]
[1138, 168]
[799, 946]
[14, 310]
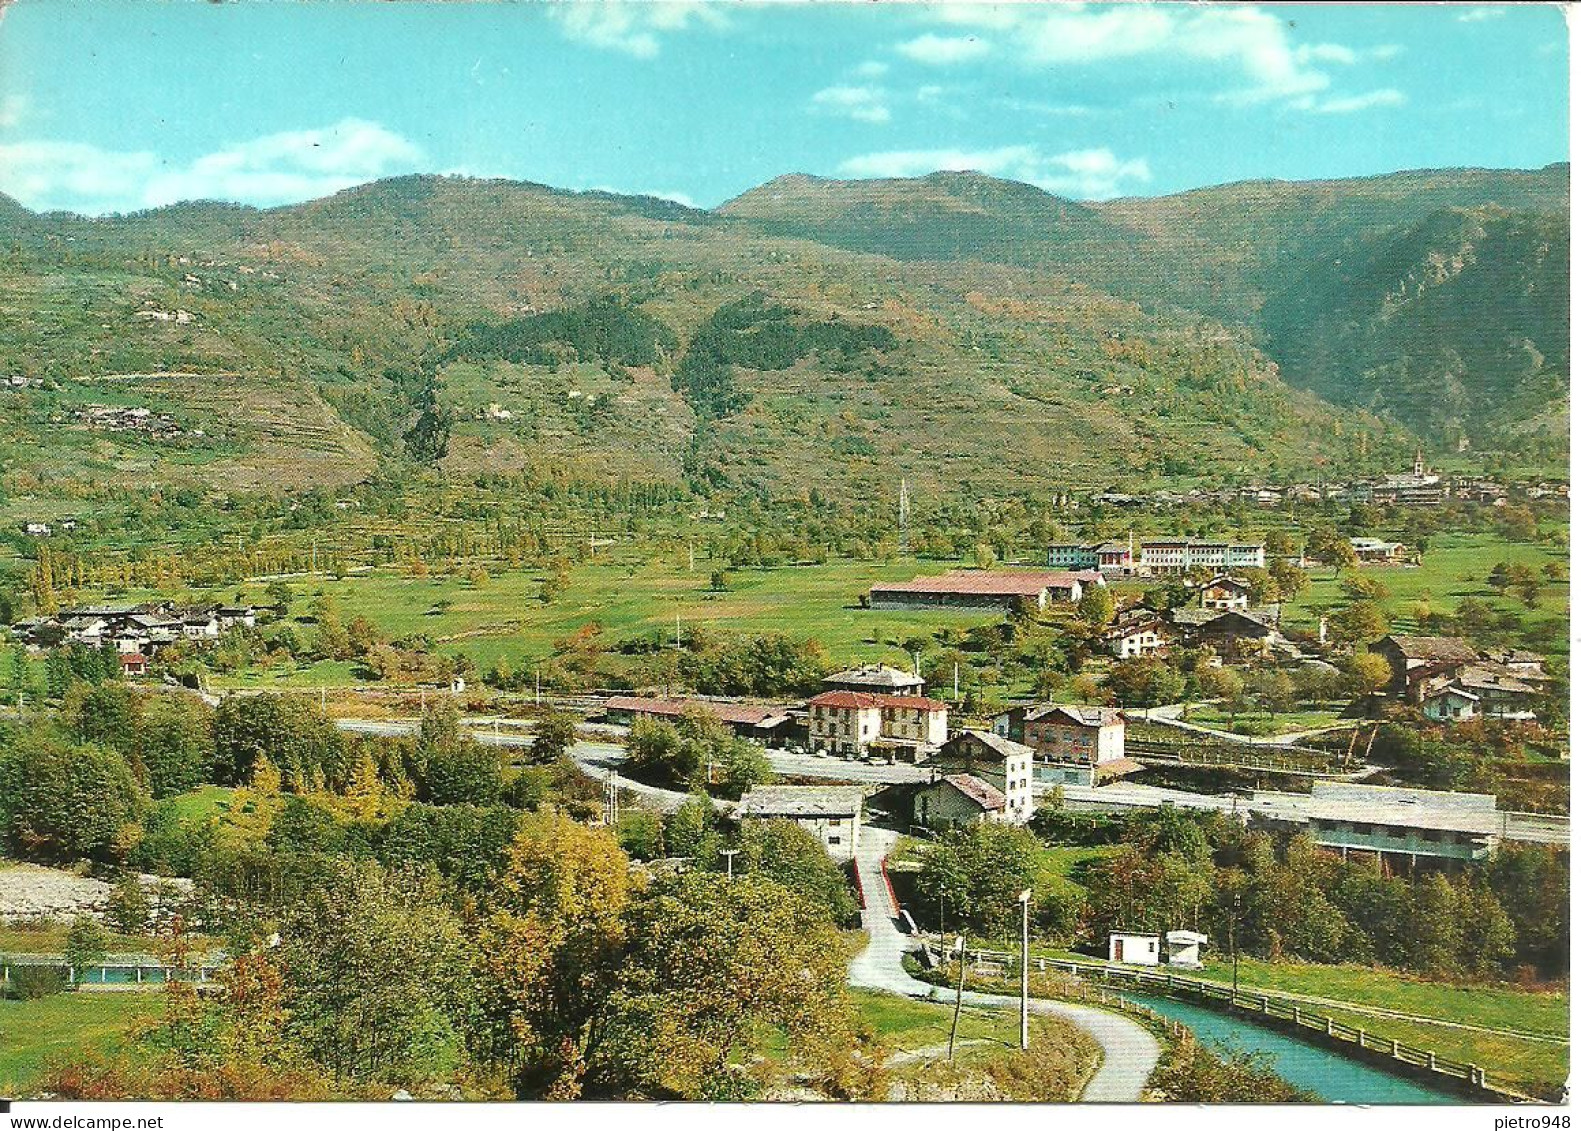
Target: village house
[831, 813]
[1225, 592]
[984, 589]
[878, 678]
[1173, 557]
[1074, 745]
[763, 724]
[1423, 665]
[859, 723]
[38, 529]
[1001, 762]
[1499, 694]
[1451, 705]
[134, 664]
[1233, 634]
[1135, 632]
[1375, 551]
[958, 799]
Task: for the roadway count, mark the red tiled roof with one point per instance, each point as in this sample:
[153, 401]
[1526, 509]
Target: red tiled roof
[994, 583]
[744, 713]
[855, 699]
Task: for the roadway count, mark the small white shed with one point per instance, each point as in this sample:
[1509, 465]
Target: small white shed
[1138, 950]
[1182, 948]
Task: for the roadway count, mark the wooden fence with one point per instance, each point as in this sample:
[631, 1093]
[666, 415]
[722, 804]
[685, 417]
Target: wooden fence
[1268, 1009]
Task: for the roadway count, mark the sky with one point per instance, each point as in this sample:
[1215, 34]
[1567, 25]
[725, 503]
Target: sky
[115, 107]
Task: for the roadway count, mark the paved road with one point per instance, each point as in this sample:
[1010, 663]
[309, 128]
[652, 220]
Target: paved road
[1129, 1050]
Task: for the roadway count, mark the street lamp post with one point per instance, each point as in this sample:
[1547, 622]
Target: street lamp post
[960, 986]
[1025, 899]
[730, 862]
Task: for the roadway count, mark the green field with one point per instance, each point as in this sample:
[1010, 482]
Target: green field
[505, 618]
[1055, 865]
[1499, 1007]
[1510, 1059]
[906, 1024]
[202, 803]
[1454, 567]
[1258, 722]
[34, 1032]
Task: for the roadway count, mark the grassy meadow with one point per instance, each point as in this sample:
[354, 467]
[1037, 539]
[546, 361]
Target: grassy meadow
[505, 617]
[32, 1033]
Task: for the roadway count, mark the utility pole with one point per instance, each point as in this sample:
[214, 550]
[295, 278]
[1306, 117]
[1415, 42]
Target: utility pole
[1235, 953]
[905, 518]
[957, 684]
[537, 686]
[730, 862]
[677, 632]
[691, 555]
[1025, 899]
[960, 987]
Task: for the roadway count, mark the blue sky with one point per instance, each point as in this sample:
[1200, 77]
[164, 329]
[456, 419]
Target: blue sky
[109, 107]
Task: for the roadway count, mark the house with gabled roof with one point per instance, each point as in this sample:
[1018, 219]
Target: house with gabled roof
[832, 813]
[879, 678]
[958, 799]
[857, 723]
[1416, 662]
[1073, 744]
[1002, 762]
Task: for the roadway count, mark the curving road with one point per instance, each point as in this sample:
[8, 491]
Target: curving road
[1129, 1050]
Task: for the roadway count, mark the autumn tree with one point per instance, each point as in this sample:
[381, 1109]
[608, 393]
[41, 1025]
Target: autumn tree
[550, 955]
[714, 965]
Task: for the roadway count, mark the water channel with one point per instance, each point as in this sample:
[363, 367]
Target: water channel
[1332, 1076]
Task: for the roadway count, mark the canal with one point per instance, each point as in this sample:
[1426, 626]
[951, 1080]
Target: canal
[1333, 1077]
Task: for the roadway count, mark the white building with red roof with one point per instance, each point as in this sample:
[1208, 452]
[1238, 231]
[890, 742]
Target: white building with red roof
[853, 723]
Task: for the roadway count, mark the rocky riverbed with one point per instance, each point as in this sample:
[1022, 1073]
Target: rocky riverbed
[30, 892]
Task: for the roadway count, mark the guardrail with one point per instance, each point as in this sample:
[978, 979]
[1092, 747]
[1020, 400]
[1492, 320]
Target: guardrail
[1267, 1008]
[110, 973]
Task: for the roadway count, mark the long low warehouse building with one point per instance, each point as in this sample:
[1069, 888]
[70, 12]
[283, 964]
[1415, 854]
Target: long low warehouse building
[765, 723]
[983, 589]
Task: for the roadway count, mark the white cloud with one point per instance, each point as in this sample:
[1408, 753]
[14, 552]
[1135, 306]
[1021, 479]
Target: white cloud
[659, 194]
[634, 27]
[940, 50]
[1325, 53]
[1351, 104]
[1478, 15]
[276, 169]
[1385, 51]
[1087, 174]
[1253, 47]
[862, 103]
[872, 69]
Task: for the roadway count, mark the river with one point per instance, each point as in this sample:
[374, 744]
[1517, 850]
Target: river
[1330, 1075]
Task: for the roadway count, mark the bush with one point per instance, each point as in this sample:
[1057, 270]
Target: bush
[29, 983]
